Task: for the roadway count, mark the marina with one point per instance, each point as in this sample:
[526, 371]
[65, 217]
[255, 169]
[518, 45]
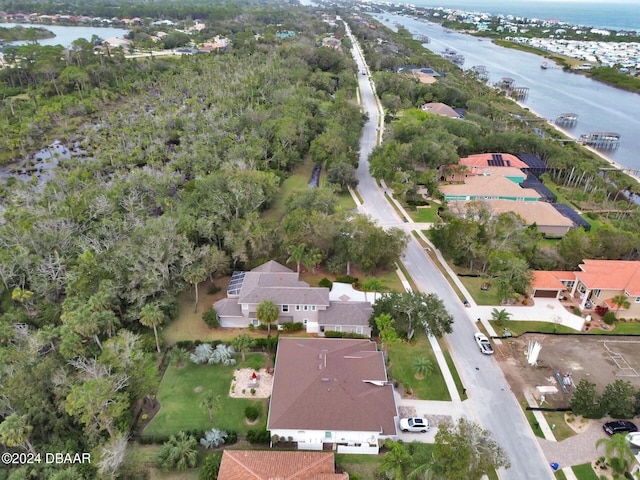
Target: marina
[550, 93]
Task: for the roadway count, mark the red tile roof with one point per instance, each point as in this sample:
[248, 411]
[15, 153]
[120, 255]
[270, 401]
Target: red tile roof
[611, 275]
[482, 160]
[332, 385]
[270, 465]
[546, 280]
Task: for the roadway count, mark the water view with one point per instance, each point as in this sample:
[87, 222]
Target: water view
[65, 35]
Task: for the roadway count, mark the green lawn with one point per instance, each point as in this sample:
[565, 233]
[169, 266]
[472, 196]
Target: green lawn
[518, 327]
[531, 418]
[424, 214]
[454, 373]
[584, 472]
[562, 431]
[481, 297]
[401, 358]
[364, 466]
[346, 202]
[180, 401]
[622, 328]
[298, 180]
[560, 475]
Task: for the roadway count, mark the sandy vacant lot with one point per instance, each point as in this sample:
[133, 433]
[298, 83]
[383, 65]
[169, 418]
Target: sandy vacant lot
[599, 359]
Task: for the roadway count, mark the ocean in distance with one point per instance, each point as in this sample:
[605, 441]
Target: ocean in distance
[615, 15]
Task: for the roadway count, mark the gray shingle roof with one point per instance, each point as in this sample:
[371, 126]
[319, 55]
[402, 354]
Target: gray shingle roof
[346, 313]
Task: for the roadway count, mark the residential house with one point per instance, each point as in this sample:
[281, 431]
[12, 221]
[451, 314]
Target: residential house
[441, 109]
[488, 187]
[596, 284]
[296, 300]
[549, 221]
[332, 394]
[273, 465]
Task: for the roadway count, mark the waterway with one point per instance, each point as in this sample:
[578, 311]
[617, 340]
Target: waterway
[65, 35]
[551, 92]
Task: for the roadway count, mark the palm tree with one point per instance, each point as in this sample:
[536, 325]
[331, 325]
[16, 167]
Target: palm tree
[500, 316]
[15, 431]
[242, 343]
[422, 367]
[311, 259]
[618, 452]
[152, 315]
[210, 402]
[180, 452]
[620, 301]
[196, 274]
[267, 312]
[297, 254]
[394, 462]
[372, 285]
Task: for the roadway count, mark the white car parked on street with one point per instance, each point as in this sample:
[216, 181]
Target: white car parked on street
[483, 343]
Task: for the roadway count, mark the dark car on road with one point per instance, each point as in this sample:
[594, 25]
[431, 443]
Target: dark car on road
[619, 426]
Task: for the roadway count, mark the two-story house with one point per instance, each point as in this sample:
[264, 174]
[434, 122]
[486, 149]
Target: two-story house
[296, 300]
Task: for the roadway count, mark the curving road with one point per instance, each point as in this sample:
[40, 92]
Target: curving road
[490, 401]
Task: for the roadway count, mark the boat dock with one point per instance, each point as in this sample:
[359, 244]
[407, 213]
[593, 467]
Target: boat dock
[601, 140]
[566, 119]
[508, 85]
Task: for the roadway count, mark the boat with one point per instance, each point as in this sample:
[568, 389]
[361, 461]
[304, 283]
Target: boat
[544, 65]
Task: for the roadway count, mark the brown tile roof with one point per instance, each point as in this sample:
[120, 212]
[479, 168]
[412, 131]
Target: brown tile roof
[441, 109]
[611, 275]
[272, 465]
[540, 213]
[346, 313]
[482, 160]
[326, 384]
[488, 186]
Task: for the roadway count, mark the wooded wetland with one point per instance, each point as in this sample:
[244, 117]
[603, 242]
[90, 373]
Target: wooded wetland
[181, 175]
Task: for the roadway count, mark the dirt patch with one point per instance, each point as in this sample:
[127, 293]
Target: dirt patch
[578, 423]
[598, 359]
[150, 407]
[246, 380]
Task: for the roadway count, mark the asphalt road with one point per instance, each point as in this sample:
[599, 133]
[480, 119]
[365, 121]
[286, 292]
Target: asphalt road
[490, 402]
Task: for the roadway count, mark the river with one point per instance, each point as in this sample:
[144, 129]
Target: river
[66, 35]
[551, 92]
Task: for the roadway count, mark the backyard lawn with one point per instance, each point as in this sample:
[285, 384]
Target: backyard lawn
[181, 392]
[364, 466]
[401, 359]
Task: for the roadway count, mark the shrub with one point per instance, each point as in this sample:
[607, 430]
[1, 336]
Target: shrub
[577, 311]
[232, 437]
[252, 412]
[213, 289]
[292, 326]
[609, 318]
[333, 334]
[253, 391]
[213, 438]
[210, 467]
[346, 279]
[618, 399]
[586, 401]
[259, 436]
[325, 282]
[266, 344]
[210, 317]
